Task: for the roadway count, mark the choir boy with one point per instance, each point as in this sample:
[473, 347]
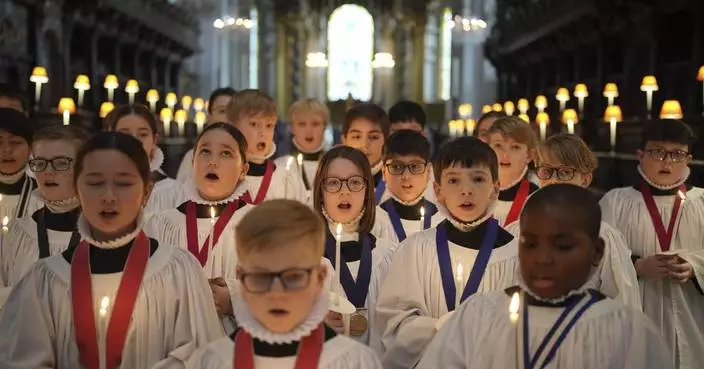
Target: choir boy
[514, 143]
[366, 128]
[15, 185]
[217, 112]
[308, 119]
[435, 270]
[282, 300]
[407, 174]
[662, 218]
[485, 122]
[552, 318]
[254, 114]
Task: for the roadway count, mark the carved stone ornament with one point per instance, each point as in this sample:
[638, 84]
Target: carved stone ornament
[13, 32]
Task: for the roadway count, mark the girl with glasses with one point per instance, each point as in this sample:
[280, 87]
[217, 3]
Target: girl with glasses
[136, 120]
[344, 194]
[282, 298]
[565, 158]
[51, 229]
[204, 223]
[119, 299]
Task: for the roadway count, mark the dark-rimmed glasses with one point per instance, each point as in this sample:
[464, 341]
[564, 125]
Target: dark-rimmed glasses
[334, 184]
[563, 173]
[59, 164]
[397, 168]
[290, 279]
[661, 154]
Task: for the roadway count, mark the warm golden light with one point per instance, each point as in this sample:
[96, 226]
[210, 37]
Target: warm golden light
[563, 95]
[509, 108]
[610, 90]
[199, 120]
[198, 104]
[82, 82]
[464, 110]
[581, 91]
[649, 83]
[132, 86]
[486, 109]
[671, 109]
[700, 75]
[523, 106]
[542, 118]
[66, 108]
[166, 115]
[39, 75]
[152, 95]
[497, 107]
[613, 112]
[570, 115]
[111, 82]
[541, 102]
[469, 125]
[180, 116]
[525, 117]
[105, 108]
[186, 102]
[171, 100]
[514, 307]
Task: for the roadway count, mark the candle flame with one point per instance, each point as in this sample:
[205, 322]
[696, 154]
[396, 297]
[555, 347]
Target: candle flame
[460, 271]
[338, 230]
[422, 211]
[299, 159]
[5, 220]
[104, 304]
[515, 304]
[212, 212]
[288, 162]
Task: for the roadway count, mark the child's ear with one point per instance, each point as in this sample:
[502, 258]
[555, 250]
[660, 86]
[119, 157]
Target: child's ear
[639, 154]
[587, 180]
[245, 170]
[147, 193]
[322, 274]
[598, 252]
[497, 189]
[343, 139]
[438, 192]
[531, 156]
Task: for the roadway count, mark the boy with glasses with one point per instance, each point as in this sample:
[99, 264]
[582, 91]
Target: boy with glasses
[662, 218]
[565, 158]
[406, 172]
[282, 299]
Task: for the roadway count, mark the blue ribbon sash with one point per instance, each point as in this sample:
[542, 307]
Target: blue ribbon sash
[478, 269]
[379, 191]
[356, 290]
[388, 205]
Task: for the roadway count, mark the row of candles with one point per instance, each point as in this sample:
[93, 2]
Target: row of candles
[671, 109]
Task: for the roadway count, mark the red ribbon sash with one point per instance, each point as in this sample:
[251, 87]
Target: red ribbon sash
[263, 188]
[84, 313]
[664, 237]
[201, 253]
[518, 202]
[308, 356]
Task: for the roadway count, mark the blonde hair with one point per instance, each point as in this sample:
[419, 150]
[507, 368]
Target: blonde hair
[568, 150]
[263, 228]
[250, 103]
[516, 129]
[309, 106]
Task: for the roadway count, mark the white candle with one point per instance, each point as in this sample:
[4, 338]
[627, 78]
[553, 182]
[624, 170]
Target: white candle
[513, 307]
[299, 160]
[649, 95]
[5, 221]
[459, 285]
[338, 256]
[67, 116]
[422, 218]
[613, 134]
[167, 126]
[288, 167]
[570, 126]
[580, 102]
[543, 131]
[513, 313]
[212, 236]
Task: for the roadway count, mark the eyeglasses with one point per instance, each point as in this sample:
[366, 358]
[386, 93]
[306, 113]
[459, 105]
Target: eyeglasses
[290, 279]
[334, 184]
[59, 164]
[563, 173]
[676, 156]
[397, 168]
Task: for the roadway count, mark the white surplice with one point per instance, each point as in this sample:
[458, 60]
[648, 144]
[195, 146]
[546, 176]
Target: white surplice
[185, 170]
[409, 226]
[615, 276]
[309, 167]
[676, 309]
[609, 335]
[173, 315]
[166, 194]
[412, 298]
[284, 185]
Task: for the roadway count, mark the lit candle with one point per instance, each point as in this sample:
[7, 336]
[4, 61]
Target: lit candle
[513, 307]
[422, 218]
[5, 221]
[212, 236]
[459, 285]
[513, 313]
[288, 167]
[338, 256]
[299, 160]
[104, 305]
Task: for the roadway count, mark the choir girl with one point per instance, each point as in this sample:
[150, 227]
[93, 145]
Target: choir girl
[217, 112]
[16, 185]
[51, 229]
[552, 318]
[204, 224]
[344, 194]
[366, 128]
[136, 120]
[435, 270]
[485, 122]
[514, 143]
[407, 174]
[662, 218]
[254, 114]
[565, 158]
[282, 300]
[308, 119]
[119, 299]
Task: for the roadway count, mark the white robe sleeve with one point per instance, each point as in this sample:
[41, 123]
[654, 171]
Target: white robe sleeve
[185, 170]
[166, 194]
[616, 271]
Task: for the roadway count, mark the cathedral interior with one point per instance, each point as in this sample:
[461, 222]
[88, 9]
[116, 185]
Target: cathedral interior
[607, 66]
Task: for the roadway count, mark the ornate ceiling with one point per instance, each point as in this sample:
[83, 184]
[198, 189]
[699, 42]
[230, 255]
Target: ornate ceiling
[412, 6]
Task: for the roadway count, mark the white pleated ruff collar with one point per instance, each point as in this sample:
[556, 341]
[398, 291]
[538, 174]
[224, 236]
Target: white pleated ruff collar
[157, 160]
[591, 284]
[466, 226]
[85, 231]
[247, 321]
[192, 194]
[520, 178]
[348, 228]
[666, 187]
[319, 149]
